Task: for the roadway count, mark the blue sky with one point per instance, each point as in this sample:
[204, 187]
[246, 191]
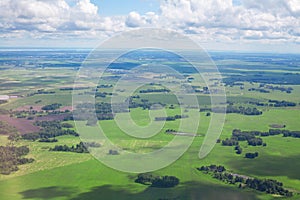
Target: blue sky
[239, 25]
[123, 7]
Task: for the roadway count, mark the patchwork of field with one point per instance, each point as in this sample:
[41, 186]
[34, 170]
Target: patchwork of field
[70, 175]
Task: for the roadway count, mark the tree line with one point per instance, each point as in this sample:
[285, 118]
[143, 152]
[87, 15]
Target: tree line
[154, 90]
[261, 90]
[82, 147]
[53, 106]
[142, 103]
[277, 103]
[233, 109]
[282, 89]
[79, 148]
[171, 118]
[269, 186]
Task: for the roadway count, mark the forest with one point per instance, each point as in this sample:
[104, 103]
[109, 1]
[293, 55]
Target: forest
[12, 156]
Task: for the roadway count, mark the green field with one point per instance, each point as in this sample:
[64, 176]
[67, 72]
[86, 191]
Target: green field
[69, 175]
[77, 176]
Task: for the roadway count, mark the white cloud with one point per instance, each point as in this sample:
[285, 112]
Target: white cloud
[46, 16]
[221, 19]
[134, 20]
[86, 7]
[213, 20]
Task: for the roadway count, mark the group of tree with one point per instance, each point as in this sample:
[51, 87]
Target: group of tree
[12, 156]
[269, 186]
[253, 138]
[238, 149]
[230, 142]
[251, 155]
[249, 136]
[285, 133]
[113, 152]
[277, 103]
[49, 129]
[259, 90]
[103, 94]
[53, 106]
[233, 109]
[105, 86]
[48, 140]
[79, 148]
[213, 168]
[145, 104]
[243, 110]
[258, 103]
[256, 142]
[73, 88]
[264, 78]
[170, 131]
[103, 111]
[157, 181]
[205, 109]
[282, 89]
[171, 118]
[263, 185]
[155, 90]
[41, 91]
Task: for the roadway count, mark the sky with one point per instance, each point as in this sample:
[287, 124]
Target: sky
[231, 25]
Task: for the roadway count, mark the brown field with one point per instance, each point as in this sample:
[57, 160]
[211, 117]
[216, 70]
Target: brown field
[22, 125]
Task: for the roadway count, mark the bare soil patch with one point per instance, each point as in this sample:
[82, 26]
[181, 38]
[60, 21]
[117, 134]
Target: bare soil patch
[22, 125]
[277, 125]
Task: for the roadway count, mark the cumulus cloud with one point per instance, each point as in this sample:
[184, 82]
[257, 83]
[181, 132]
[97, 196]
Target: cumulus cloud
[44, 17]
[221, 19]
[213, 20]
[134, 19]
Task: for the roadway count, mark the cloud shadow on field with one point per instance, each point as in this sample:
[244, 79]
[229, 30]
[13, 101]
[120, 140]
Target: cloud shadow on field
[270, 166]
[48, 193]
[190, 190]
